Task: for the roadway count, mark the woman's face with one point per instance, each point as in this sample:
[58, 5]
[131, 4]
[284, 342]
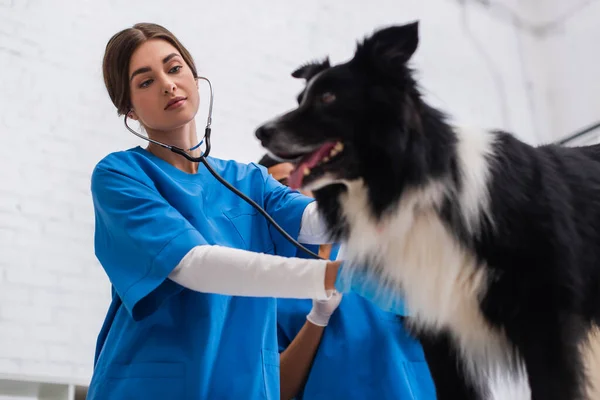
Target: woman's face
[164, 93]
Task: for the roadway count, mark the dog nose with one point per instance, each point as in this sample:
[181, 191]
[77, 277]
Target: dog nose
[265, 132]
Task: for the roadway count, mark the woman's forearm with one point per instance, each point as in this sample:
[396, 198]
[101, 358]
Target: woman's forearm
[296, 360]
[224, 270]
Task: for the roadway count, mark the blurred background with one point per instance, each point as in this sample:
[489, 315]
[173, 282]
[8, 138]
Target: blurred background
[526, 66]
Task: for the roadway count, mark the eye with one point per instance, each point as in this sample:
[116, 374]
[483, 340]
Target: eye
[175, 69]
[283, 181]
[146, 83]
[327, 98]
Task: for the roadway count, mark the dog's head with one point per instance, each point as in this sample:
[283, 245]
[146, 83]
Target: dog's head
[350, 116]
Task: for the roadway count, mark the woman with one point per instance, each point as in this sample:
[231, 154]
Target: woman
[194, 269]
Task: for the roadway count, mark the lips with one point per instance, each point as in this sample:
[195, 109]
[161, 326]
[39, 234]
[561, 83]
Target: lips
[175, 102]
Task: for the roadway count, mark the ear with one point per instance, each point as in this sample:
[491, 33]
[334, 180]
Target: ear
[395, 45]
[131, 114]
[307, 71]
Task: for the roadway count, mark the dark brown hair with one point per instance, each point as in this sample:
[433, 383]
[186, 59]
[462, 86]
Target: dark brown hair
[115, 65]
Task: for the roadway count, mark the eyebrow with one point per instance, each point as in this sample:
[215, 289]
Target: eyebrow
[148, 69]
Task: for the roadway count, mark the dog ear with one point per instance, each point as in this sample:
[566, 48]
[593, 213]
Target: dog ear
[307, 71]
[395, 45]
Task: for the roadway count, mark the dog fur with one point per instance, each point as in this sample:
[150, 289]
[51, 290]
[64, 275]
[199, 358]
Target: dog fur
[494, 244]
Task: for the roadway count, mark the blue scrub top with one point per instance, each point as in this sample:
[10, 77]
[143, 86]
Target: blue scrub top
[160, 340]
[365, 352]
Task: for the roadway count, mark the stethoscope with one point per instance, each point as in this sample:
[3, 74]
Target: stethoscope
[202, 159]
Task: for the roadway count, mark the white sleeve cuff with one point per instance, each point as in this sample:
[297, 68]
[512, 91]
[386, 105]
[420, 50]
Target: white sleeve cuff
[235, 272]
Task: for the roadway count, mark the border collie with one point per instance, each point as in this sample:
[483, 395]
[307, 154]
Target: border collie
[494, 244]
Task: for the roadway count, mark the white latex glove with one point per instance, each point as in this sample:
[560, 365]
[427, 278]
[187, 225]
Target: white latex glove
[323, 309]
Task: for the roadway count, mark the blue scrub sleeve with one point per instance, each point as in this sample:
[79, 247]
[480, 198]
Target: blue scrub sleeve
[286, 206]
[368, 285]
[140, 238]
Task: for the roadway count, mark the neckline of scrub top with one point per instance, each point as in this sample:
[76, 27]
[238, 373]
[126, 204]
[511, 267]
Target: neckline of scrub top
[171, 168]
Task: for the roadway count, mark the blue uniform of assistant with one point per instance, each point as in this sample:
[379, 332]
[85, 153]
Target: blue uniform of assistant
[365, 352]
[160, 340]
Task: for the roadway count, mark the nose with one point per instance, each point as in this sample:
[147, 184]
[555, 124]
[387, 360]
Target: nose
[265, 132]
[169, 86]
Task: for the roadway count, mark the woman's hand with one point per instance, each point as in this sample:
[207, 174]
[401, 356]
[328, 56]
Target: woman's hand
[373, 287]
[322, 310]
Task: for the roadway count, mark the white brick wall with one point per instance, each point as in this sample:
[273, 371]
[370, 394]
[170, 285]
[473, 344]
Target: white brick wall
[561, 63]
[56, 122]
[571, 64]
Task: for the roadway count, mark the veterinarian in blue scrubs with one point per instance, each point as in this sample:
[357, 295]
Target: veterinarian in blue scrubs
[364, 353]
[194, 269]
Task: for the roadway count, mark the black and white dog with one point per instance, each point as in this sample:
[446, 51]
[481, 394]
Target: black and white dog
[494, 244]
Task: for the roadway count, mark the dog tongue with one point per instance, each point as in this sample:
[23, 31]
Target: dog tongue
[309, 161]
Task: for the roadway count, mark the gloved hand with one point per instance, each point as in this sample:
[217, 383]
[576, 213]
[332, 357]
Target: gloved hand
[371, 286]
[322, 310]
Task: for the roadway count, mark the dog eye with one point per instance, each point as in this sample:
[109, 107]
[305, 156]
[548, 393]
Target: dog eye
[327, 98]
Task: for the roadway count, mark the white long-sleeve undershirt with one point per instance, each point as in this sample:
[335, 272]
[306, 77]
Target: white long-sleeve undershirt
[225, 270]
[313, 229]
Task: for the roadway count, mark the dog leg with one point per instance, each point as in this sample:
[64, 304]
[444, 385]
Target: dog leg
[446, 369]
